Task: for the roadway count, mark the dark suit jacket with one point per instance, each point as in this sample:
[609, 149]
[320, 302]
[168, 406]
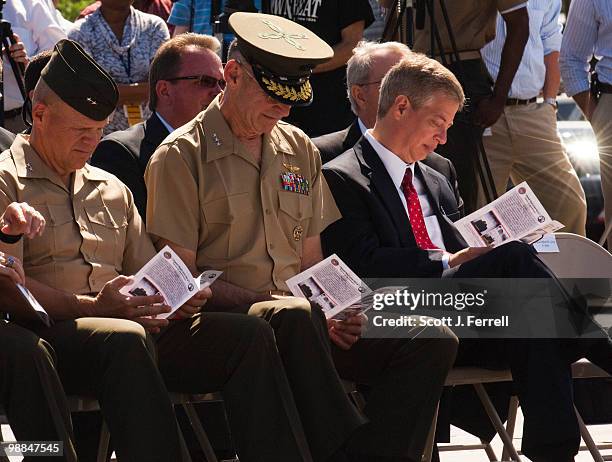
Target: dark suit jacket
[333, 144]
[6, 139]
[126, 153]
[374, 236]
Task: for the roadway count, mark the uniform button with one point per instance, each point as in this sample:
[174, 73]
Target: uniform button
[230, 216]
[271, 246]
[268, 212]
[83, 228]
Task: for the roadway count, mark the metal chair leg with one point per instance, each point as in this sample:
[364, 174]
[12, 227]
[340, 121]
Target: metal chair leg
[184, 449]
[104, 443]
[431, 438]
[510, 423]
[588, 440]
[3, 458]
[496, 421]
[194, 420]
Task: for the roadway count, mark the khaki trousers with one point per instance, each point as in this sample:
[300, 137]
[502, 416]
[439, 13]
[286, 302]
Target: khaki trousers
[602, 125]
[525, 146]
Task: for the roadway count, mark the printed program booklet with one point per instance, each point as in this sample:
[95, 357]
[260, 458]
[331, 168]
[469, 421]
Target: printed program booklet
[331, 285]
[35, 306]
[166, 274]
[518, 215]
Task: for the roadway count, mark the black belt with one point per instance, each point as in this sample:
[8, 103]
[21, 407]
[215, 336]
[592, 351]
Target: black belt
[519, 102]
[12, 113]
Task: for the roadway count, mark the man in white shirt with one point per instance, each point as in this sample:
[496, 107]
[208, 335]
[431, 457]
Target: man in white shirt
[589, 33]
[523, 144]
[37, 25]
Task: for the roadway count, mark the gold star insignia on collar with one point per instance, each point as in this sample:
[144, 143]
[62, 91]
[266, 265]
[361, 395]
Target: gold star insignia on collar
[29, 167]
[216, 139]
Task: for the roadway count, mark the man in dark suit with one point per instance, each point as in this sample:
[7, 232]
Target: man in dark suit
[185, 76]
[396, 221]
[364, 72]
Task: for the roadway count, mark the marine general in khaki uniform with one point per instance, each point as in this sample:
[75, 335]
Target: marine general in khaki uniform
[89, 215]
[239, 191]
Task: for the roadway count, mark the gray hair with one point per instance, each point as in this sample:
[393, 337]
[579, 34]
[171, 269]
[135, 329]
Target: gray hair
[418, 78]
[359, 66]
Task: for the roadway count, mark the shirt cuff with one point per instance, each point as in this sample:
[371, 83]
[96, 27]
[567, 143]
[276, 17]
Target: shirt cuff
[445, 260]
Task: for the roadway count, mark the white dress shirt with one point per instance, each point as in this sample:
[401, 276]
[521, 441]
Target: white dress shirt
[588, 32]
[396, 168]
[165, 123]
[544, 38]
[37, 25]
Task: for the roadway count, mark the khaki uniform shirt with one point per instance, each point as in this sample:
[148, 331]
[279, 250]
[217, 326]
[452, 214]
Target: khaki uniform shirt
[473, 24]
[93, 232]
[207, 194]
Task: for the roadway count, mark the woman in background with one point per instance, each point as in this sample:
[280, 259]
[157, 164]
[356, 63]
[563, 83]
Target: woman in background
[123, 40]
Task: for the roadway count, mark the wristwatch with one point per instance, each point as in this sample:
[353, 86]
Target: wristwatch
[551, 101]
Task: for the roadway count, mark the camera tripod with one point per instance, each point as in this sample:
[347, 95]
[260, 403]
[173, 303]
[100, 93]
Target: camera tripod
[7, 39]
[403, 19]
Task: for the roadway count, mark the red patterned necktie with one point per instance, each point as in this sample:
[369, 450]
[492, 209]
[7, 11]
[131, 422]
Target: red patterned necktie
[415, 213]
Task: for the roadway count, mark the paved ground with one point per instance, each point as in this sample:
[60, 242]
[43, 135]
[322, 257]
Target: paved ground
[600, 433]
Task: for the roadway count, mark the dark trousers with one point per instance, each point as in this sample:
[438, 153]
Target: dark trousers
[327, 415]
[31, 392]
[540, 367]
[464, 138]
[113, 361]
[404, 379]
[236, 354]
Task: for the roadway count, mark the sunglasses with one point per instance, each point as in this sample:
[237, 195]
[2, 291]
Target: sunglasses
[204, 81]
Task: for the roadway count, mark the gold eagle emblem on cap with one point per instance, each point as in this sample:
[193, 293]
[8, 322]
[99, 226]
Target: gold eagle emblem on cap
[286, 92]
[281, 34]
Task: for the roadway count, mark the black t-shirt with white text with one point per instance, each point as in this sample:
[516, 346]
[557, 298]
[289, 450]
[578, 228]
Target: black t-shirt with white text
[330, 110]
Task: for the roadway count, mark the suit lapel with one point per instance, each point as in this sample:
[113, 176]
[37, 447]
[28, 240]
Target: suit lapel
[382, 185]
[450, 236]
[352, 136]
[154, 133]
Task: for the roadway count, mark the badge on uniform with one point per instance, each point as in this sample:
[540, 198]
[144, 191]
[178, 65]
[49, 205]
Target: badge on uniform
[295, 182]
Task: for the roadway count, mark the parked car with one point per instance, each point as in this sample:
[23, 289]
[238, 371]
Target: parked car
[581, 146]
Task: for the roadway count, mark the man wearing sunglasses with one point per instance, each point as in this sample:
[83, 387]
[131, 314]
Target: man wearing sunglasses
[185, 76]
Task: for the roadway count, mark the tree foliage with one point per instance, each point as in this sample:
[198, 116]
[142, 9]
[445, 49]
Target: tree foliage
[71, 8]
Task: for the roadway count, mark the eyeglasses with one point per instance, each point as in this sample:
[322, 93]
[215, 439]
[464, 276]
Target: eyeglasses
[246, 69]
[204, 81]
